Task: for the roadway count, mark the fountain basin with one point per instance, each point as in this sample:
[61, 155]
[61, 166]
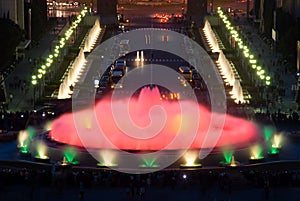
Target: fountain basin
[253, 160]
[103, 165]
[42, 159]
[194, 165]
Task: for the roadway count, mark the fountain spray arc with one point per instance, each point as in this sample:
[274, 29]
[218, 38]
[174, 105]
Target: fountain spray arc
[72, 74]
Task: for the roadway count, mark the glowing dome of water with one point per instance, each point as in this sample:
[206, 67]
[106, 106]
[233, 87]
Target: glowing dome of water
[86, 133]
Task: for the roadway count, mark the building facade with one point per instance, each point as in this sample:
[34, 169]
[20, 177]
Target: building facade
[276, 17]
[13, 10]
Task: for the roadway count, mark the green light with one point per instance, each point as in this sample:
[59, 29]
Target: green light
[55, 55]
[268, 83]
[48, 64]
[262, 77]
[43, 67]
[24, 150]
[228, 153]
[253, 66]
[258, 68]
[40, 76]
[33, 77]
[149, 163]
[33, 82]
[268, 78]
[70, 155]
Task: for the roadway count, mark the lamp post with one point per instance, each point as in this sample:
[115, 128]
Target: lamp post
[34, 82]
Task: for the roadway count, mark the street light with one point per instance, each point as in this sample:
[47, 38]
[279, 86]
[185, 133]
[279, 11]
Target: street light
[34, 82]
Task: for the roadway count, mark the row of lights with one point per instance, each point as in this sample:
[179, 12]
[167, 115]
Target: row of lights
[58, 48]
[260, 72]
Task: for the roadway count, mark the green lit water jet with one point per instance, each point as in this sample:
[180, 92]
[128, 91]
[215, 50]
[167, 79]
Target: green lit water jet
[70, 155]
[149, 163]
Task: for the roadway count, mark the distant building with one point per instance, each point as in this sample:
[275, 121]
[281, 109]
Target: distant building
[14, 10]
[277, 16]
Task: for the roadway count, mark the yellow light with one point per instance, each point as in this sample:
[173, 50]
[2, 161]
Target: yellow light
[246, 54]
[40, 76]
[277, 140]
[108, 157]
[33, 77]
[33, 82]
[268, 78]
[190, 157]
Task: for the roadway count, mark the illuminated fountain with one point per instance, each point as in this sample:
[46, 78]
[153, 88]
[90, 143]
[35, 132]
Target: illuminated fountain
[237, 92]
[277, 141]
[64, 163]
[256, 154]
[190, 158]
[137, 56]
[70, 156]
[149, 162]
[233, 162]
[227, 153]
[23, 142]
[276, 144]
[211, 37]
[71, 76]
[268, 131]
[142, 56]
[108, 158]
[41, 152]
[111, 137]
[25, 137]
[225, 69]
[92, 37]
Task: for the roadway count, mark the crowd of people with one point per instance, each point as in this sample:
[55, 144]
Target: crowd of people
[136, 186]
[13, 121]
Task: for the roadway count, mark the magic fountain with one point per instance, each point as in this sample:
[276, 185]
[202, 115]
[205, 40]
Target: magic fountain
[87, 133]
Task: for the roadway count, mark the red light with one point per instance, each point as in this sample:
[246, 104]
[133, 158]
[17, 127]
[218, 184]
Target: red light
[236, 131]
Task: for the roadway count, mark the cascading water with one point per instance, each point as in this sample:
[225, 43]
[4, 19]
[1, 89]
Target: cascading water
[211, 37]
[225, 69]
